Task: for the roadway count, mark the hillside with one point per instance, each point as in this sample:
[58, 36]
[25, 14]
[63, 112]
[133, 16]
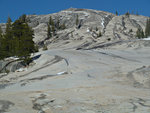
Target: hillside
[85, 33]
[81, 72]
[91, 22]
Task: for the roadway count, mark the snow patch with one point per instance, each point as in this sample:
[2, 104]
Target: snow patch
[1, 74]
[21, 70]
[106, 16]
[147, 38]
[12, 58]
[88, 30]
[102, 23]
[61, 73]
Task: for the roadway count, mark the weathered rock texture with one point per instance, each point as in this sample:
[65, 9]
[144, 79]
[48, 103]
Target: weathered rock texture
[91, 22]
[83, 73]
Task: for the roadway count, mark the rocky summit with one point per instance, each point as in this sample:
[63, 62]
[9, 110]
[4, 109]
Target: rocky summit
[95, 64]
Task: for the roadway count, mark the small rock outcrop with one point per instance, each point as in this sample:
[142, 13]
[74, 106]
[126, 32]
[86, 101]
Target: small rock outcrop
[10, 66]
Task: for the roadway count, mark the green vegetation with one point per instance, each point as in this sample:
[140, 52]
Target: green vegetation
[45, 48]
[52, 27]
[147, 29]
[17, 40]
[140, 33]
[99, 34]
[77, 20]
[127, 14]
[96, 29]
[116, 13]
[49, 31]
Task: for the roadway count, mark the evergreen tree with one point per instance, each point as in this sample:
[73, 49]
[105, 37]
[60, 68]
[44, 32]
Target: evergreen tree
[147, 29]
[23, 18]
[96, 29]
[1, 32]
[58, 24]
[127, 14]
[53, 30]
[49, 34]
[23, 40]
[116, 13]
[140, 33]
[51, 22]
[8, 25]
[52, 25]
[8, 38]
[77, 20]
[99, 34]
[18, 40]
[3, 52]
[1, 41]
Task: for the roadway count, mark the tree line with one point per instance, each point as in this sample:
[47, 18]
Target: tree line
[17, 40]
[141, 34]
[53, 26]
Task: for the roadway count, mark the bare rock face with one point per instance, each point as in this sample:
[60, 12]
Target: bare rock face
[141, 77]
[124, 27]
[89, 20]
[90, 24]
[10, 66]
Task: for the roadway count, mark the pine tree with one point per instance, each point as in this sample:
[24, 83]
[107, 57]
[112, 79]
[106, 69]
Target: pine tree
[140, 33]
[8, 38]
[23, 18]
[147, 29]
[1, 41]
[17, 40]
[99, 34]
[23, 40]
[51, 22]
[1, 32]
[58, 24]
[127, 14]
[53, 30]
[8, 25]
[77, 20]
[52, 25]
[49, 34]
[116, 13]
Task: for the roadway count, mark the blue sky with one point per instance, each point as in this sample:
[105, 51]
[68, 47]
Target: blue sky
[15, 8]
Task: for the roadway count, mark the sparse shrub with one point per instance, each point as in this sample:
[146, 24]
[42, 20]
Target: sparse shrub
[127, 14]
[7, 71]
[45, 48]
[36, 48]
[27, 60]
[130, 30]
[140, 33]
[147, 29]
[99, 34]
[109, 39]
[77, 20]
[96, 29]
